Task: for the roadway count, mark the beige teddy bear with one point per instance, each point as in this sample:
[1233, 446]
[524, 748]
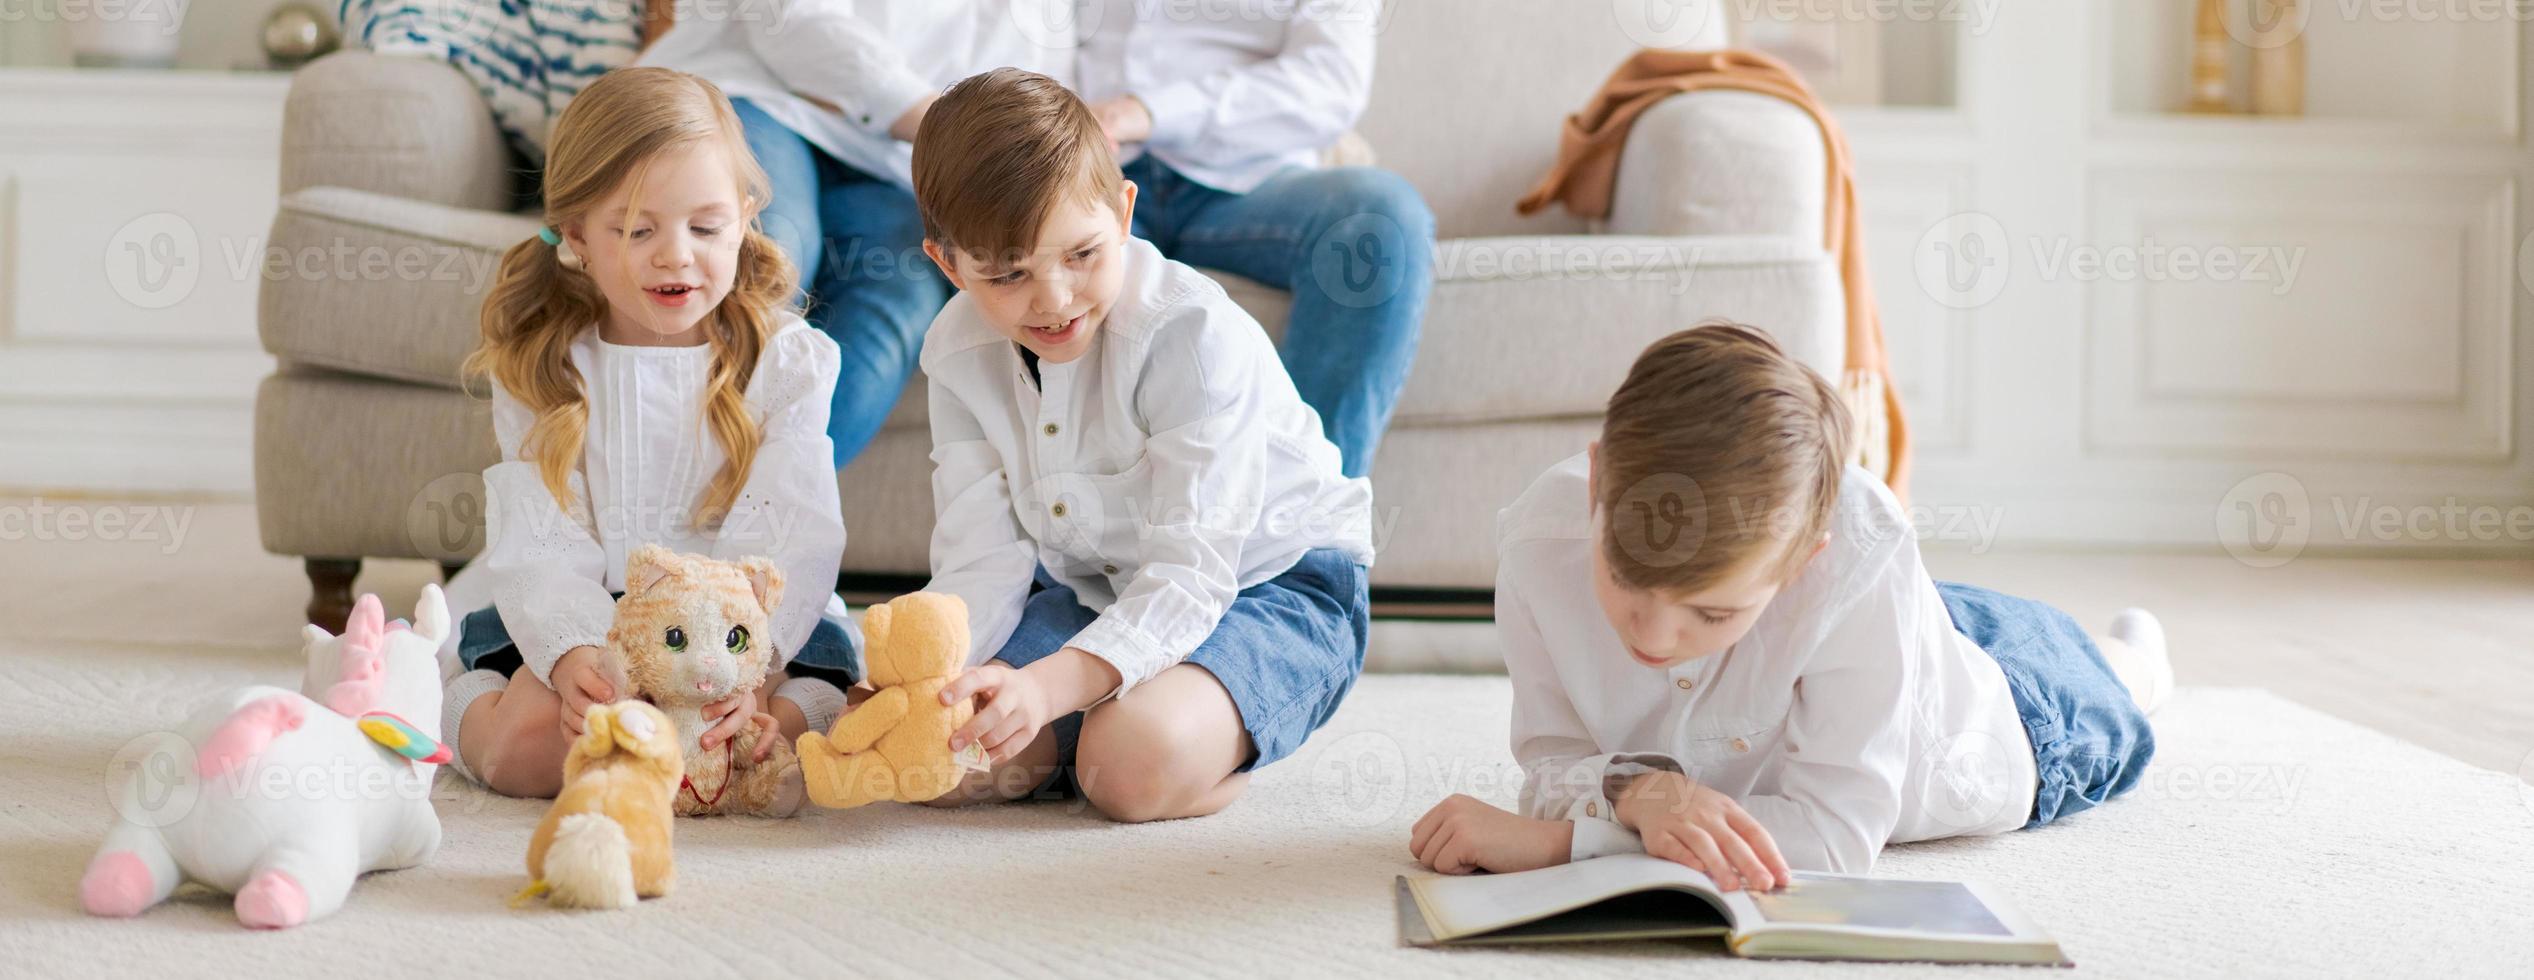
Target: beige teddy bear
[896, 746]
[691, 631]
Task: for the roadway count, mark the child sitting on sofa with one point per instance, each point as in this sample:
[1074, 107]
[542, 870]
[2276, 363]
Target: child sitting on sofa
[1165, 568]
[1725, 651]
[651, 385]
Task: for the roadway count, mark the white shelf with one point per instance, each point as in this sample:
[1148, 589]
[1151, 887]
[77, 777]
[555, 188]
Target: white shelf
[2367, 77]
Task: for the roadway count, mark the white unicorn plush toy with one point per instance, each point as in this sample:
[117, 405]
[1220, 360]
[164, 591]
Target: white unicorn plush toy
[282, 798]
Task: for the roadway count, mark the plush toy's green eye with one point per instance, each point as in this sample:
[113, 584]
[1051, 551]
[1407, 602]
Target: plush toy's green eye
[676, 640]
[737, 640]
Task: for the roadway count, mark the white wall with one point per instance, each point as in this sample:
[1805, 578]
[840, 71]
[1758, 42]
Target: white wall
[2050, 406]
[2381, 383]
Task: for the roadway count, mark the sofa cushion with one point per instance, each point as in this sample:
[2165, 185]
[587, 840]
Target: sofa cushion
[377, 285]
[351, 466]
[1518, 327]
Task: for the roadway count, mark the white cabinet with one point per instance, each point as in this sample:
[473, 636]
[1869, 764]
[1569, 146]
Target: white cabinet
[2117, 324]
[133, 214]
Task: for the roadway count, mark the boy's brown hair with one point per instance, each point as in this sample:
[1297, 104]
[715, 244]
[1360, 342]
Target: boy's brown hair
[1717, 451]
[998, 152]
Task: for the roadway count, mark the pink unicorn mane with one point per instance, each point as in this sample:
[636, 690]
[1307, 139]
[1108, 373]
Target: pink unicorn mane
[364, 683]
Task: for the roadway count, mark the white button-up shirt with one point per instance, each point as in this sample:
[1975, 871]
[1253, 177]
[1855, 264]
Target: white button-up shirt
[646, 457]
[1238, 89]
[869, 59]
[1852, 715]
[1168, 468]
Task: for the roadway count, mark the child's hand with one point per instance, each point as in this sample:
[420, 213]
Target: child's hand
[1462, 834]
[1016, 706]
[728, 716]
[1680, 820]
[580, 683]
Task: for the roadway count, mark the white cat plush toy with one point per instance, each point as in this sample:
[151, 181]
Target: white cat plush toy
[281, 797]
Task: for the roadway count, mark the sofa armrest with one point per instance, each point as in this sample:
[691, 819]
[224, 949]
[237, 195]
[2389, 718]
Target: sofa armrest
[397, 125]
[1722, 163]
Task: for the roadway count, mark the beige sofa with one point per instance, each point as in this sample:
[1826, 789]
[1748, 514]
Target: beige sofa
[366, 446]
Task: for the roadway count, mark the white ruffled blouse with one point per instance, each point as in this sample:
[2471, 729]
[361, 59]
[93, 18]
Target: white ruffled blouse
[646, 458]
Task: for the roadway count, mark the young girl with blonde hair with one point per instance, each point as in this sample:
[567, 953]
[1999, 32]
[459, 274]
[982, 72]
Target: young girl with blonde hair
[651, 384]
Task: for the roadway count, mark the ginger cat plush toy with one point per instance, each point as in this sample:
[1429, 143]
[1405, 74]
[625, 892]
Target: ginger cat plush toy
[604, 844]
[690, 631]
[896, 746]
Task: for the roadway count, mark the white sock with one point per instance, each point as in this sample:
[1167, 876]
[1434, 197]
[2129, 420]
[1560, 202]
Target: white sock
[820, 702]
[2137, 656]
[460, 694]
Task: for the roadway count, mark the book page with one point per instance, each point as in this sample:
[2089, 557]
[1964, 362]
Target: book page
[1845, 903]
[1461, 906]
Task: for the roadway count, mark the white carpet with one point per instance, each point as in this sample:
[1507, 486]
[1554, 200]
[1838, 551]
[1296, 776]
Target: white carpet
[2268, 840]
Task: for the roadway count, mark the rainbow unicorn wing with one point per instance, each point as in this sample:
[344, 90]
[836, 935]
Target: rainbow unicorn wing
[402, 738]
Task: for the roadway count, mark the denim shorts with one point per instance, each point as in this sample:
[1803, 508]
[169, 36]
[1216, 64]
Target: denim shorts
[829, 655]
[2089, 740]
[1288, 649]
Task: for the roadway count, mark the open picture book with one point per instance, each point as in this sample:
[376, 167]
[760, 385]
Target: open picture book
[1632, 896]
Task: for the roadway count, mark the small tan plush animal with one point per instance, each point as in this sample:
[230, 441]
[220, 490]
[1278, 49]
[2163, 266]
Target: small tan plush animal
[896, 746]
[690, 631]
[604, 844]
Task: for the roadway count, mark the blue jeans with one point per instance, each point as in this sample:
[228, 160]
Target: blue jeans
[1355, 245]
[1287, 650]
[2089, 740]
[857, 242]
